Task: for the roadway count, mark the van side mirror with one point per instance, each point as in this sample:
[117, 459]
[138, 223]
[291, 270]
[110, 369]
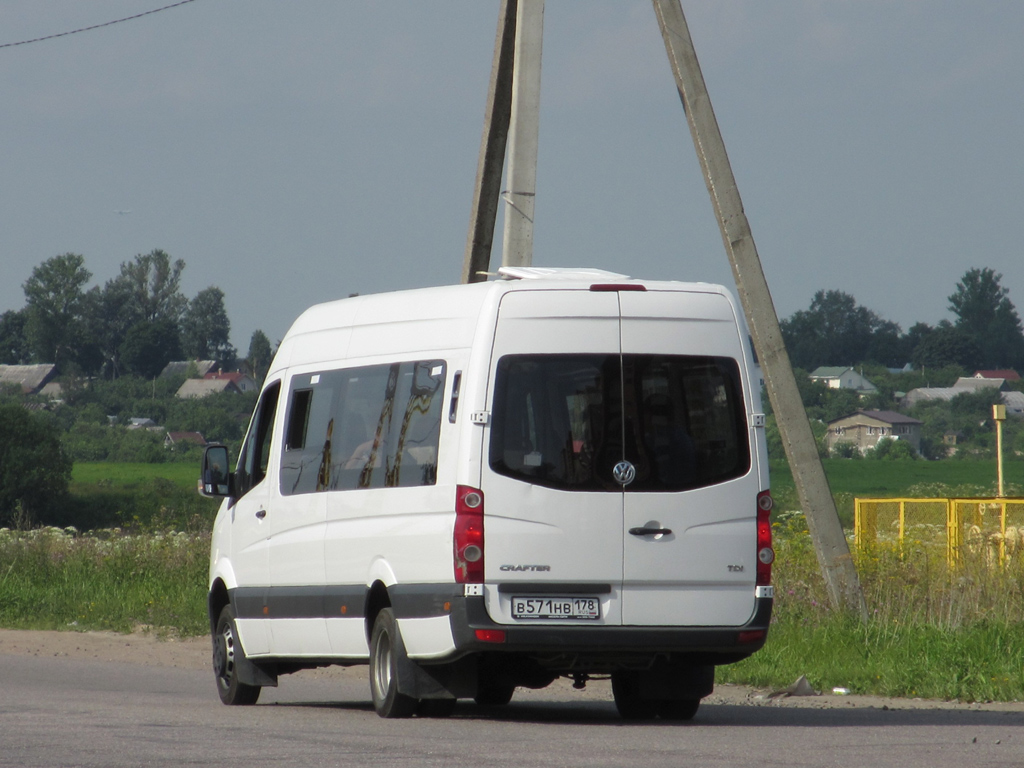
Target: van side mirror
[215, 480]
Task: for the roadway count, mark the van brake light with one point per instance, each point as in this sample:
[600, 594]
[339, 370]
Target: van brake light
[469, 535]
[765, 553]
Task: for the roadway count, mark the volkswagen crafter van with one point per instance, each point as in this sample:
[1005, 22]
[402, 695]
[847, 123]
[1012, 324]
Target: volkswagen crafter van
[561, 473]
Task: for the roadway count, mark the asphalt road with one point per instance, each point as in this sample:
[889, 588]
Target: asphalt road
[76, 712]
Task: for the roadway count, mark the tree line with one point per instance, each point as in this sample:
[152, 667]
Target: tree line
[134, 324]
[986, 332]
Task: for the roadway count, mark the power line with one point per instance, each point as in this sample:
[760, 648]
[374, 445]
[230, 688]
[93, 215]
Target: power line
[97, 26]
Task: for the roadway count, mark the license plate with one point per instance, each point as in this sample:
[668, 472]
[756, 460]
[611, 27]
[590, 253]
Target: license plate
[556, 608]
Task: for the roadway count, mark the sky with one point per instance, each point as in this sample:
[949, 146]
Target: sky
[298, 152]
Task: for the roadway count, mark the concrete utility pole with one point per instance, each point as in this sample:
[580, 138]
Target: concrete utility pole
[517, 244]
[812, 486]
[492, 150]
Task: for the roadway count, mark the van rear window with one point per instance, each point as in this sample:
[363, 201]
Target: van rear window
[370, 427]
[564, 421]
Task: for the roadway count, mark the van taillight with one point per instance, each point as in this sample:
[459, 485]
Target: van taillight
[765, 553]
[469, 535]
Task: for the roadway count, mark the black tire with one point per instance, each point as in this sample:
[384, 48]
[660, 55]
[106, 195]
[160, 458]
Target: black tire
[435, 708]
[678, 709]
[493, 694]
[386, 648]
[227, 652]
[628, 701]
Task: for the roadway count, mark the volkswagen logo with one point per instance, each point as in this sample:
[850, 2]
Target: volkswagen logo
[624, 473]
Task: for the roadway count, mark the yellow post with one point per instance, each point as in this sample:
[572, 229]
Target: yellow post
[999, 416]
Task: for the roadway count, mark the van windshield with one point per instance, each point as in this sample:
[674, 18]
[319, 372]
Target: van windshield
[564, 421]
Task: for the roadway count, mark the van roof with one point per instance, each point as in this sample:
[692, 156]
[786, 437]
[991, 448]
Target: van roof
[450, 312]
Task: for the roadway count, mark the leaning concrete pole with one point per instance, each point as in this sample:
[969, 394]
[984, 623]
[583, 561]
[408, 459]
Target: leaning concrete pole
[812, 486]
[517, 243]
[492, 150]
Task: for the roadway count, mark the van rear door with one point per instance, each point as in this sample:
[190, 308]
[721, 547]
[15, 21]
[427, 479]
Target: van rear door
[553, 522]
[689, 546]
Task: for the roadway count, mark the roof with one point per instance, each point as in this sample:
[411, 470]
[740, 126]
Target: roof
[204, 387]
[185, 437]
[829, 371]
[31, 378]
[889, 417]
[974, 383]
[235, 376]
[1008, 373]
[180, 367]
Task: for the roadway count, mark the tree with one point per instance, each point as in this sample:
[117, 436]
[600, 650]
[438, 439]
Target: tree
[34, 469]
[55, 308]
[149, 346]
[205, 328]
[153, 284]
[835, 331]
[985, 313]
[947, 345]
[110, 316]
[260, 355]
[14, 348]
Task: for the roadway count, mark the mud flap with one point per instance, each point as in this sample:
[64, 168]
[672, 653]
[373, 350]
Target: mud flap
[457, 679]
[253, 673]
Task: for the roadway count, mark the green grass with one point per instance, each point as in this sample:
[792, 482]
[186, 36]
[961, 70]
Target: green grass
[868, 478]
[137, 496]
[57, 579]
[896, 478]
[931, 633]
[113, 474]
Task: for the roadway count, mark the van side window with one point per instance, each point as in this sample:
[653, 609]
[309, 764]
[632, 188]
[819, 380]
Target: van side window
[255, 456]
[368, 427]
[564, 421]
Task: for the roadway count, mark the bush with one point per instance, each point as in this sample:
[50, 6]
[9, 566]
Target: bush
[34, 467]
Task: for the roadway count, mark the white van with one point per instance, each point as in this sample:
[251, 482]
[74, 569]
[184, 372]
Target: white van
[479, 487]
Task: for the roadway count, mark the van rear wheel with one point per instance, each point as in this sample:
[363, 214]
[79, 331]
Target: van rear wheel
[494, 694]
[227, 655]
[386, 649]
[631, 706]
[678, 709]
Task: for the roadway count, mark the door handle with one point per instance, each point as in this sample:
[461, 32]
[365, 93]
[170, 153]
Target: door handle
[650, 531]
[260, 514]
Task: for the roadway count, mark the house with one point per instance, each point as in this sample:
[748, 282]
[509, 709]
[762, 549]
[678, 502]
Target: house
[965, 384]
[865, 428]
[180, 368]
[1007, 375]
[1014, 402]
[172, 439]
[243, 381]
[204, 387]
[30, 378]
[839, 377]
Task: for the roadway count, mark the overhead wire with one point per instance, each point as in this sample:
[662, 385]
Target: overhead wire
[97, 26]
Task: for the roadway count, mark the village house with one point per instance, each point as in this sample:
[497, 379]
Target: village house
[204, 387]
[243, 381]
[31, 379]
[865, 428]
[840, 377]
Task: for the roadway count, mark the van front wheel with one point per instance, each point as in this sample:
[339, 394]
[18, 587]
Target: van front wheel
[227, 654]
[386, 649]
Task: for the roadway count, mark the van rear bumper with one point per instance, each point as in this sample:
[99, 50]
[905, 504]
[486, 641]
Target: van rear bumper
[471, 624]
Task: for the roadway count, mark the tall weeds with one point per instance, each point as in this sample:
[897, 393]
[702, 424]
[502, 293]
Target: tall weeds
[933, 632]
[52, 578]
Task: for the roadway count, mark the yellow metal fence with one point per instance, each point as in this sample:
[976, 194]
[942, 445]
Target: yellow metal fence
[992, 527]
